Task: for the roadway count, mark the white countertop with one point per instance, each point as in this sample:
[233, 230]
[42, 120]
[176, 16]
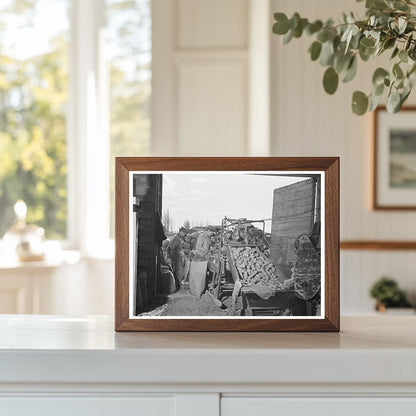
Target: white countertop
[53, 349]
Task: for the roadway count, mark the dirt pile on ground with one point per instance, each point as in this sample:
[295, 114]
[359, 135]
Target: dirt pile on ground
[184, 303]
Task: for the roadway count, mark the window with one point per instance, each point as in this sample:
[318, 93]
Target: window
[129, 45]
[33, 98]
[75, 88]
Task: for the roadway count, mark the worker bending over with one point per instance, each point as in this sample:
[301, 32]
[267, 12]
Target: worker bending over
[203, 244]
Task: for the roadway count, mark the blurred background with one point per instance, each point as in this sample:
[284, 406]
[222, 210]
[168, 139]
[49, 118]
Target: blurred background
[83, 81]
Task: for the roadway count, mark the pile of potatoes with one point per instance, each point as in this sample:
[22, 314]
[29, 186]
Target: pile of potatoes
[255, 268]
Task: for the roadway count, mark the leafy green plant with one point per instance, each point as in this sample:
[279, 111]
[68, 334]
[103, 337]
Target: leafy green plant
[387, 292]
[389, 27]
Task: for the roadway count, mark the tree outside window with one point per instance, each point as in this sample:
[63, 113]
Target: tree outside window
[34, 94]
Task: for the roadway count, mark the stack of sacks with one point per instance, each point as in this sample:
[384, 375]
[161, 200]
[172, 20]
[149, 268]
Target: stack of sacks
[248, 236]
[307, 270]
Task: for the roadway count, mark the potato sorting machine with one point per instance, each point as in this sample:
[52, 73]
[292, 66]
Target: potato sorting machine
[244, 255]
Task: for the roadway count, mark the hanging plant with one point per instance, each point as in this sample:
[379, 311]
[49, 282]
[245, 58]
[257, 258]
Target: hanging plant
[389, 27]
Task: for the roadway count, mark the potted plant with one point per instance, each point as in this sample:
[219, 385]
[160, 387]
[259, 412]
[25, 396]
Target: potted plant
[389, 27]
[387, 294]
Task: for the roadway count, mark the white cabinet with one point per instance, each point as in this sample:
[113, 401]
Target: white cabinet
[272, 406]
[51, 365]
[88, 406]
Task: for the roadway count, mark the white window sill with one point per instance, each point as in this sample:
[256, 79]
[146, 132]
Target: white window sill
[8, 262]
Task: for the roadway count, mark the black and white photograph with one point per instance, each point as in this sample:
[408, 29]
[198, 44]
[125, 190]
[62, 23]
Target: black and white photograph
[226, 244]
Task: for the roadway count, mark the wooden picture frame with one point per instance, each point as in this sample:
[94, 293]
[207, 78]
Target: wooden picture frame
[325, 168]
[394, 185]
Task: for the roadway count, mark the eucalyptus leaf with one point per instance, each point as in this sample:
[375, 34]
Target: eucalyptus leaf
[378, 89]
[376, 4]
[330, 80]
[294, 20]
[350, 18]
[351, 72]
[281, 27]
[395, 52]
[346, 34]
[411, 71]
[379, 75]
[288, 37]
[374, 102]
[315, 50]
[366, 53]
[359, 103]
[402, 22]
[351, 32]
[404, 96]
[337, 43]
[389, 43]
[400, 5]
[298, 30]
[341, 62]
[411, 78]
[397, 71]
[393, 101]
[322, 36]
[403, 56]
[367, 42]
[327, 53]
[355, 41]
[314, 27]
[376, 36]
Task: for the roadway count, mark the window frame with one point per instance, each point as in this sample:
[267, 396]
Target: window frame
[87, 133]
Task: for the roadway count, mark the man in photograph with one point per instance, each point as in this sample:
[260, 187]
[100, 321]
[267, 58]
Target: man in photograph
[177, 256]
[203, 243]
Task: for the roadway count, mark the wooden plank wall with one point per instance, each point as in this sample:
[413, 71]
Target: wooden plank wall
[293, 215]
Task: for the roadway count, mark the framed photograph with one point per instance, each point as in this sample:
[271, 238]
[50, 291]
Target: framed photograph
[394, 179]
[227, 244]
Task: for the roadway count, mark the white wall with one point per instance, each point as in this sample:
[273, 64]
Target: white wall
[200, 77]
[211, 74]
[308, 122]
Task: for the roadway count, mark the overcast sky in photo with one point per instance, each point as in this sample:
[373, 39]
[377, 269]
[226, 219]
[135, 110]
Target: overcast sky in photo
[205, 199]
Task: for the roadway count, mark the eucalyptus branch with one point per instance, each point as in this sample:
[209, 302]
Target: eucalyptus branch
[388, 25]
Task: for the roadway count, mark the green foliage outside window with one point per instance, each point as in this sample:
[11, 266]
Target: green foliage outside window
[34, 103]
[129, 43]
[33, 99]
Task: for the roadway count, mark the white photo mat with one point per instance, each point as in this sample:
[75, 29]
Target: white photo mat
[282, 173]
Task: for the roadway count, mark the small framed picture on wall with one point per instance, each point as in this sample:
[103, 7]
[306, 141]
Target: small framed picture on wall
[394, 175]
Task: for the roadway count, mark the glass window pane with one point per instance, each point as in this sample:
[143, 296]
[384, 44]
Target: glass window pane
[33, 103]
[129, 52]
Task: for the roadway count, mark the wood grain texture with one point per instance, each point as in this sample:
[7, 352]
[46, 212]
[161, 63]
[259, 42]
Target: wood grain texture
[121, 244]
[329, 165]
[376, 205]
[378, 245]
